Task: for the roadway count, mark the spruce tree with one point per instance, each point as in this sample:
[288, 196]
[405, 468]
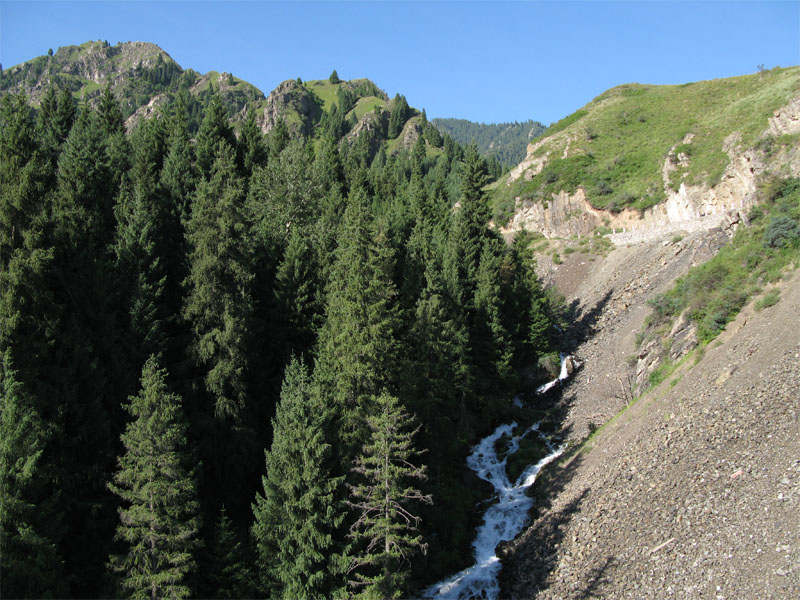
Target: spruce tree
[109, 113]
[358, 344]
[491, 343]
[85, 184]
[20, 177]
[214, 129]
[226, 569]
[179, 174]
[219, 305]
[385, 531]
[297, 514]
[398, 116]
[158, 522]
[30, 565]
[252, 146]
[298, 296]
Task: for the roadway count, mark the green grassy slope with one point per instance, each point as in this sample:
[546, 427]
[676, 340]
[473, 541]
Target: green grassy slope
[617, 144]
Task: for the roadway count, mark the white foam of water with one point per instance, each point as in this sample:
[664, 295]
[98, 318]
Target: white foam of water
[503, 520]
[561, 376]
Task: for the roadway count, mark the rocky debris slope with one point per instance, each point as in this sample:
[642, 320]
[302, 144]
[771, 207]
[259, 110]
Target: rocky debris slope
[694, 491]
[607, 305]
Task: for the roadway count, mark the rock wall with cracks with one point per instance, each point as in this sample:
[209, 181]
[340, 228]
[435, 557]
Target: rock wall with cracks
[690, 208]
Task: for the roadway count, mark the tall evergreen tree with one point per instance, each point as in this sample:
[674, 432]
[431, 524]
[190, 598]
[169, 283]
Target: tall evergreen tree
[358, 344]
[297, 514]
[214, 129]
[226, 569]
[179, 173]
[109, 113]
[85, 184]
[30, 565]
[298, 296]
[398, 116]
[252, 146]
[385, 530]
[159, 519]
[22, 173]
[219, 305]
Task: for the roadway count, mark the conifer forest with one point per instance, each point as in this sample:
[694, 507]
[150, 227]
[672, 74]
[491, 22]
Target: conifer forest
[238, 364]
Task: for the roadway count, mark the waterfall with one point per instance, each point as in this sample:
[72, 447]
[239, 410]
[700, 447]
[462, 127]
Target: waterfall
[505, 519]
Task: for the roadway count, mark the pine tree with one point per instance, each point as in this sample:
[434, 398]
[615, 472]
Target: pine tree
[138, 260]
[252, 146]
[283, 195]
[297, 514]
[213, 130]
[85, 184]
[298, 296]
[491, 343]
[30, 565]
[179, 174]
[398, 116]
[109, 113]
[358, 345]
[386, 531]
[219, 305]
[226, 569]
[21, 177]
[158, 519]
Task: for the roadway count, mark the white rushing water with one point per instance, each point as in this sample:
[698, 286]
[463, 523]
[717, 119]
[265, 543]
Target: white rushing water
[503, 520]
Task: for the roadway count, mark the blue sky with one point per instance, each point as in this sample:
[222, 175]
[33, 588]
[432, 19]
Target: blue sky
[484, 61]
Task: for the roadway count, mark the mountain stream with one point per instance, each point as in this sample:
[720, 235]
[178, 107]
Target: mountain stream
[505, 519]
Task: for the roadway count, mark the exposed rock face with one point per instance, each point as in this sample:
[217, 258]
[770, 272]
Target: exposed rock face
[681, 340]
[531, 166]
[410, 134]
[146, 111]
[375, 120]
[690, 208]
[96, 62]
[288, 96]
[787, 119]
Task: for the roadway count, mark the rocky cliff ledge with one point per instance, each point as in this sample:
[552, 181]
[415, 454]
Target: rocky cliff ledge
[687, 209]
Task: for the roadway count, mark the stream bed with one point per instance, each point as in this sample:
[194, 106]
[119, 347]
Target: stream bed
[505, 519]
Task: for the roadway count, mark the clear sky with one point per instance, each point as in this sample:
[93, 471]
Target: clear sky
[484, 61]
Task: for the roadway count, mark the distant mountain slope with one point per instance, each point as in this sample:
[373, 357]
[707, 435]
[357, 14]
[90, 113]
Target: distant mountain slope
[504, 141]
[144, 78]
[635, 144]
[140, 75]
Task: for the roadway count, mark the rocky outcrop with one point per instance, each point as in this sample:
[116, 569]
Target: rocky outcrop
[531, 166]
[689, 208]
[410, 134]
[146, 111]
[289, 97]
[95, 62]
[375, 121]
[786, 120]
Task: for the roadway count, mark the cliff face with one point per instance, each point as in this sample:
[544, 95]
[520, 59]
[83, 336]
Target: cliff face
[687, 209]
[289, 98]
[87, 68]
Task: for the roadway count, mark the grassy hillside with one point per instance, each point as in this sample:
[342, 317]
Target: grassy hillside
[615, 146]
[758, 256]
